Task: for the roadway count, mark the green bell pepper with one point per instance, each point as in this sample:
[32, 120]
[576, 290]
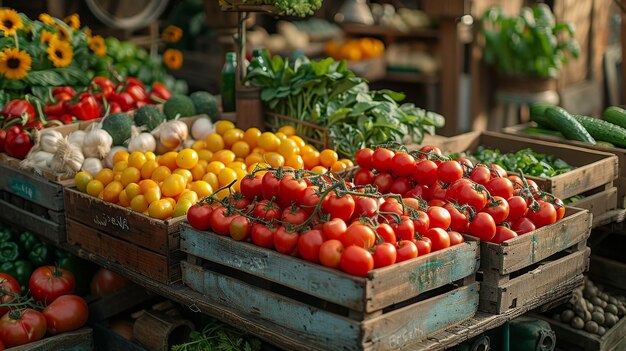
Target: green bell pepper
[9, 251]
[82, 270]
[28, 241]
[6, 234]
[40, 255]
[20, 270]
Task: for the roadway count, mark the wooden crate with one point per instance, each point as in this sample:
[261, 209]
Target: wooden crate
[533, 265]
[78, 340]
[571, 339]
[142, 244]
[101, 308]
[106, 339]
[594, 169]
[32, 216]
[330, 309]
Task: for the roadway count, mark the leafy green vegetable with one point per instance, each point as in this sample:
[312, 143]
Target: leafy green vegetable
[300, 8]
[530, 162]
[217, 336]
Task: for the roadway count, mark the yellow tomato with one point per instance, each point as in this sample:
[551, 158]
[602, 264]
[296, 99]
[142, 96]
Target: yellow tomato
[94, 187]
[211, 178]
[147, 184]
[287, 130]
[112, 191]
[222, 126]
[132, 190]
[274, 159]
[186, 174]
[269, 142]
[201, 188]
[215, 167]
[338, 166]
[307, 148]
[241, 149]
[182, 207]
[299, 142]
[348, 162]
[224, 156]
[205, 155]
[168, 160]
[173, 185]
[124, 200]
[120, 166]
[222, 193]
[81, 179]
[198, 172]
[237, 165]
[282, 136]
[251, 137]
[226, 176]
[328, 157]
[254, 158]
[148, 168]
[232, 136]
[153, 194]
[139, 203]
[255, 166]
[198, 145]
[258, 150]
[105, 176]
[319, 169]
[311, 159]
[187, 159]
[120, 156]
[160, 173]
[160, 209]
[189, 195]
[150, 156]
[130, 175]
[117, 176]
[137, 159]
[294, 161]
[288, 147]
[170, 200]
[214, 142]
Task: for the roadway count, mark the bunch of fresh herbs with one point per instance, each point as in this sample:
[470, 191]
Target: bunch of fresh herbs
[217, 336]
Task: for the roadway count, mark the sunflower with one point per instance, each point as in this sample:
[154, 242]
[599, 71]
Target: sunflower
[10, 22]
[46, 37]
[88, 32]
[63, 34]
[97, 45]
[46, 18]
[173, 58]
[73, 21]
[60, 52]
[172, 34]
[14, 64]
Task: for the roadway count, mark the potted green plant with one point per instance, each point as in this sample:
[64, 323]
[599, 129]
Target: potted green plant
[527, 50]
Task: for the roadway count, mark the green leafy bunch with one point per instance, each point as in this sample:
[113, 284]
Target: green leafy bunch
[530, 44]
[299, 8]
[217, 336]
[530, 162]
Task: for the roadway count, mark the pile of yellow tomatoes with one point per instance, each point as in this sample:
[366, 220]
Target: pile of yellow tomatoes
[165, 186]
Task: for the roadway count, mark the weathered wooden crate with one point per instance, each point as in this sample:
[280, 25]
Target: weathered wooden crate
[78, 340]
[101, 308]
[393, 307]
[106, 339]
[594, 169]
[140, 243]
[533, 265]
[572, 339]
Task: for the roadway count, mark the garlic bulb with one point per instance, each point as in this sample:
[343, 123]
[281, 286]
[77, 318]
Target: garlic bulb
[188, 143]
[92, 166]
[49, 140]
[143, 142]
[97, 143]
[77, 137]
[172, 134]
[38, 161]
[108, 160]
[202, 127]
[67, 160]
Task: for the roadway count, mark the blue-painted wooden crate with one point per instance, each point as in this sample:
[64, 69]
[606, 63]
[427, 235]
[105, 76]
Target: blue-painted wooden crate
[77, 340]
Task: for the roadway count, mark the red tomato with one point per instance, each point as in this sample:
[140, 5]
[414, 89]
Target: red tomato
[559, 206]
[267, 210]
[251, 187]
[290, 190]
[309, 244]
[498, 170]
[285, 241]
[400, 186]
[498, 209]
[238, 201]
[405, 230]
[310, 199]
[294, 215]
[67, 313]
[452, 192]
[465, 163]
[49, 282]
[363, 158]
[481, 175]
[449, 171]
[106, 283]
[406, 250]
[386, 233]
[391, 205]
[523, 225]
[455, 238]
[199, 216]
[382, 159]
[270, 186]
[425, 173]
[424, 246]
[339, 207]
[365, 206]
[439, 238]
[411, 203]
[502, 234]
[438, 192]
[9, 288]
[403, 164]
[21, 327]
[330, 253]
[517, 208]
[500, 187]
[429, 149]
[359, 235]
[220, 222]
[439, 217]
[334, 229]
[471, 195]
[383, 182]
[262, 235]
[239, 228]
[437, 202]
[363, 177]
[419, 191]
[459, 220]
[546, 214]
[384, 255]
[421, 222]
[357, 261]
[482, 226]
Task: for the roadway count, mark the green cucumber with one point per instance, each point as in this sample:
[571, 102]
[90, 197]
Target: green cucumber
[615, 115]
[603, 130]
[537, 114]
[567, 125]
[538, 130]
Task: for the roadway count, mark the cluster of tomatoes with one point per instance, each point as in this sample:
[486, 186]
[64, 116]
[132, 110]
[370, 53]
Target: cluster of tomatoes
[322, 220]
[456, 196]
[52, 307]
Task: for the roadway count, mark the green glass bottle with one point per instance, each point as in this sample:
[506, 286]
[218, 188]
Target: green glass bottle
[227, 88]
[257, 60]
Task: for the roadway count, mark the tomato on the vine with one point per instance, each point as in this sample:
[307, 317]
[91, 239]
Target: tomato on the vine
[473, 195]
[438, 192]
[251, 187]
[290, 190]
[267, 210]
[360, 235]
[309, 244]
[220, 221]
[363, 158]
[330, 253]
[239, 228]
[498, 209]
[482, 226]
[523, 225]
[405, 229]
[439, 217]
[449, 171]
[383, 182]
[459, 220]
[545, 215]
[339, 206]
[559, 207]
[386, 233]
[498, 171]
[66, 313]
[481, 175]
[391, 206]
[334, 229]
[9, 288]
[20, 327]
[455, 238]
[310, 199]
[421, 222]
[47, 283]
[294, 215]
[502, 234]
[403, 164]
[424, 245]
[365, 206]
[262, 235]
[357, 261]
[382, 159]
[384, 255]
[430, 149]
[285, 241]
[500, 187]
[517, 208]
[199, 216]
[425, 172]
[400, 186]
[439, 238]
[419, 191]
[406, 250]
[270, 186]
[364, 177]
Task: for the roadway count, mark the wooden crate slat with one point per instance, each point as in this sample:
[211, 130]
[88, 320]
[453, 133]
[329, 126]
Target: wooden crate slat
[382, 287]
[608, 271]
[77, 340]
[32, 187]
[539, 282]
[108, 306]
[106, 339]
[155, 266]
[153, 234]
[598, 204]
[36, 224]
[533, 247]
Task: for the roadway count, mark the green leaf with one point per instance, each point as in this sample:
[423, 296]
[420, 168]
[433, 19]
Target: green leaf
[44, 78]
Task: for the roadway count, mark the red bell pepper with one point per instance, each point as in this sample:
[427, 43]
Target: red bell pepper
[130, 81]
[137, 92]
[18, 142]
[55, 109]
[104, 85]
[61, 93]
[124, 99]
[85, 108]
[114, 107]
[17, 108]
[159, 93]
[65, 119]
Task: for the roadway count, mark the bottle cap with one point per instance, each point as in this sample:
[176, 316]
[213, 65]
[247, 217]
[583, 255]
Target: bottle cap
[231, 56]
